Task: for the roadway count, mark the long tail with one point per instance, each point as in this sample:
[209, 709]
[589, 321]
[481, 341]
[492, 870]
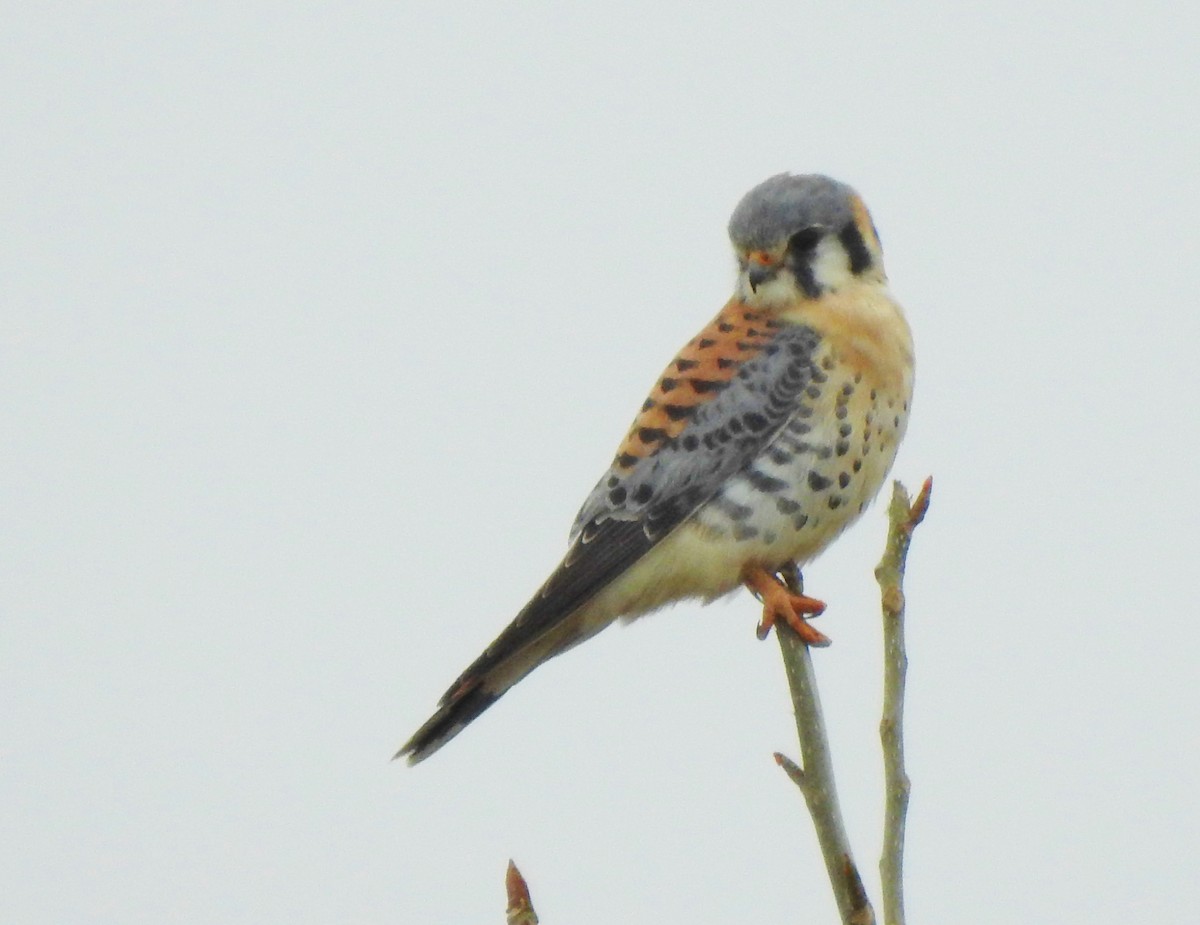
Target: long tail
[558, 617]
[450, 719]
[506, 661]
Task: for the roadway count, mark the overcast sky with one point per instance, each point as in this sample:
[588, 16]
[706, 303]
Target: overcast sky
[320, 321]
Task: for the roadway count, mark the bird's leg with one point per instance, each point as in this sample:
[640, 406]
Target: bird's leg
[781, 603]
[791, 576]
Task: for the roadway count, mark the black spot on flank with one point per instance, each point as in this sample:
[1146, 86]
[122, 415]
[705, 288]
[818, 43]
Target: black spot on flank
[705, 343]
[648, 404]
[612, 481]
[651, 434]
[874, 394]
[896, 421]
[733, 510]
[617, 496]
[753, 332]
[742, 532]
[800, 520]
[812, 391]
[841, 412]
[834, 502]
[787, 505]
[862, 507]
[725, 363]
[642, 494]
[842, 447]
[856, 248]
[690, 443]
[848, 389]
[724, 327]
[804, 411]
[771, 349]
[827, 363]
[684, 365]
[857, 378]
[667, 383]
[754, 421]
[706, 385]
[749, 316]
[844, 430]
[817, 482]
[770, 538]
[735, 426]
[746, 346]
[764, 482]
[679, 412]
[906, 406]
[857, 467]
[625, 460]
[799, 427]
[844, 479]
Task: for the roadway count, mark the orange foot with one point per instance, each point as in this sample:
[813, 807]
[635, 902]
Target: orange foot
[779, 603]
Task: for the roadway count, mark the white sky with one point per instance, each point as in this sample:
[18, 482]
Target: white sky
[318, 324]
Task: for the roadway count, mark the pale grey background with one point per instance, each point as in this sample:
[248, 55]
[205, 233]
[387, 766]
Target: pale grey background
[319, 321]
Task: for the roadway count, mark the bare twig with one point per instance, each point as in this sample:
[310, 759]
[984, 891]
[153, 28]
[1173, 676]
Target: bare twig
[520, 906]
[903, 519]
[816, 781]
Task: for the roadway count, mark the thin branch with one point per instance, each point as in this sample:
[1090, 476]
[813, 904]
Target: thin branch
[816, 781]
[520, 905]
[903, 518]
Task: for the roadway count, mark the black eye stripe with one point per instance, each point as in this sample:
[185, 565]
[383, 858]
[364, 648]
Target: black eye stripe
[804, 240]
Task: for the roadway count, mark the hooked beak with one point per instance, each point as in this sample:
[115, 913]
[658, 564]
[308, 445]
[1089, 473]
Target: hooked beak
[758, 274]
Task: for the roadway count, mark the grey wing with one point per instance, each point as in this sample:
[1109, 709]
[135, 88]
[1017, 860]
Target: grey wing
[629, 512]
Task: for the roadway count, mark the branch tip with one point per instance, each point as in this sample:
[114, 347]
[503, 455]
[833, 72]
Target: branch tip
[520, 905]
[792, 770]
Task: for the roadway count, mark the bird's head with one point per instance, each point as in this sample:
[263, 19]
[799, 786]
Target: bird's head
[799, 237]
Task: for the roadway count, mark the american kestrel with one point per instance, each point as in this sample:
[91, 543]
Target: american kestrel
[768, 434]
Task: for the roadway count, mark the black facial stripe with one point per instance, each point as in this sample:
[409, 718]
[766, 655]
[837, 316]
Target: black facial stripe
[803, 271]
[856, 248]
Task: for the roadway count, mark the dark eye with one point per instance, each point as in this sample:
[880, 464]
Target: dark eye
[804, 241]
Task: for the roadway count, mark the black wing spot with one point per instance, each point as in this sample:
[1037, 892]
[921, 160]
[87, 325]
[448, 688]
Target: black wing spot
[764, 482]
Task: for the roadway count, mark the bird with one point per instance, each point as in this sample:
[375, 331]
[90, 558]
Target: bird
[766, 436]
